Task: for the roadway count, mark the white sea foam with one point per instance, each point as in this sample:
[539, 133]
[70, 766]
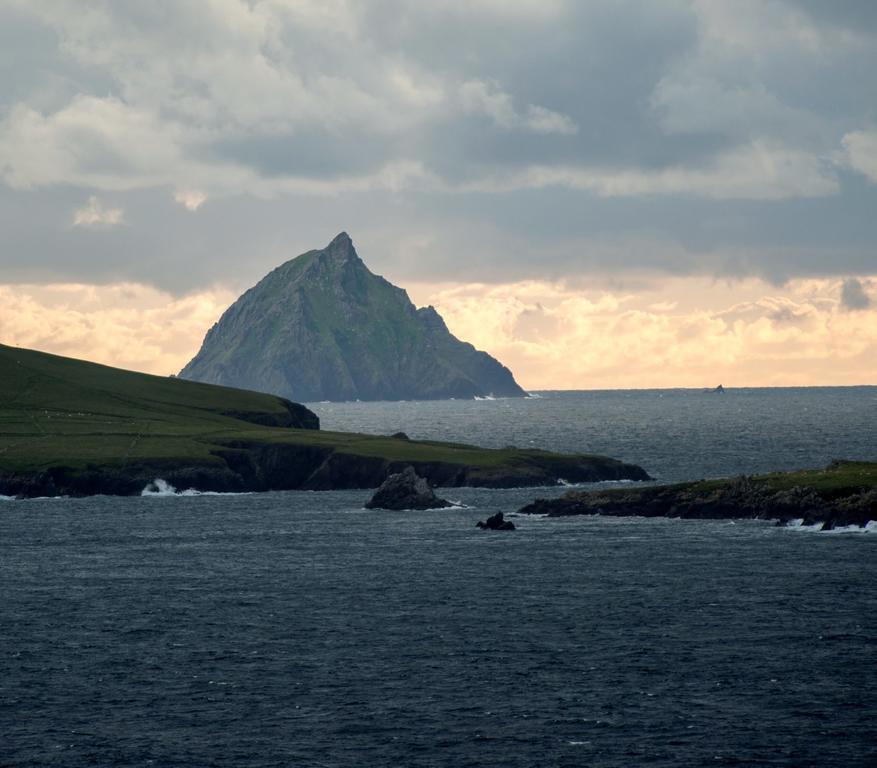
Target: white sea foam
[7, 498]
[870, 527]
[159, 487]
[798, 525]
[591, 483]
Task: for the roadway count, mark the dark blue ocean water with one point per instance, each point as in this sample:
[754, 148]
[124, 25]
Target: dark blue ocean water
[297, 629]
[676, 434]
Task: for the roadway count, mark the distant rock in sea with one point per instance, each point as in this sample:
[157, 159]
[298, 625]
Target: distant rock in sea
[495, 523]
[323, 327]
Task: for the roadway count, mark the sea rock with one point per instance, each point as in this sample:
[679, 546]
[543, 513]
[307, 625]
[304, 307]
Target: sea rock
[322, 326]
[406, 490]
[495, 523]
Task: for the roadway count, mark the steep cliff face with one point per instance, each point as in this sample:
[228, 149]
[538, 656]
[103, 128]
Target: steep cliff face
[323, 327]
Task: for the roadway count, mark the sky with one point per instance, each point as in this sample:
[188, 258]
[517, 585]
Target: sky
[601, 193]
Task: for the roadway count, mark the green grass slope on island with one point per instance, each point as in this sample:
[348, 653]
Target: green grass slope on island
[70, 426]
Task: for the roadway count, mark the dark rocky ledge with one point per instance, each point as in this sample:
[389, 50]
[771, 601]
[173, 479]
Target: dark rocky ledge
[843, 494]
[240, 465]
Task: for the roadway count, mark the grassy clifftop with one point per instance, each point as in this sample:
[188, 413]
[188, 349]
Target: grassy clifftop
[57, 409]
[70, 426]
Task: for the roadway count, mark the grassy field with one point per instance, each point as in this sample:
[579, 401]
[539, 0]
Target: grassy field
[838, 476]
[56, 411]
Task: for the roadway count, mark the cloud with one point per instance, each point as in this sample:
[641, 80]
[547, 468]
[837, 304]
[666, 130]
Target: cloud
[126, 325]
[554, 335]
[102, 143]
[759, 171]
[527, 140]
[190, 199]
[95, 216]
[853, 295]
[477, 96]
[861, 152]
[235, 74]
[688, 332]
[541, 120]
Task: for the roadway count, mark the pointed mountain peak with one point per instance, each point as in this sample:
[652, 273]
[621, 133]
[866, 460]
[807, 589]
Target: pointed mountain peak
[322, 326]
[342, 238]
[341, 247]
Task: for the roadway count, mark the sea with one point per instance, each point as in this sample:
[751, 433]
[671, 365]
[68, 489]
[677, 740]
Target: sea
[179, 629]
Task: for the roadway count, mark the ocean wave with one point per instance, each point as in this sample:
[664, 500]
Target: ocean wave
[162, 488]
[33, 498]
[454, 505]
[798, 525]
[599, 483]
[869, 527]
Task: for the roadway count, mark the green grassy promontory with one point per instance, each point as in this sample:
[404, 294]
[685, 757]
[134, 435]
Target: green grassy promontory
[70, 426]
[844, 493]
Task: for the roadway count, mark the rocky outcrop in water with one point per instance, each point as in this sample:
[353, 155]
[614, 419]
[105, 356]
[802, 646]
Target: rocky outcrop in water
[495, 523]
[406, 490]
[323, 327]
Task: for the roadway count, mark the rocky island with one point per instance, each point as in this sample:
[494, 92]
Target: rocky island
[495, 522]
[406, 490]
[323, 327]
[70, 427]
[842, 494]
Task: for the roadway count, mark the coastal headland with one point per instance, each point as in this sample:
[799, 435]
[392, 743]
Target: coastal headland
[71, 427]
[842, 494]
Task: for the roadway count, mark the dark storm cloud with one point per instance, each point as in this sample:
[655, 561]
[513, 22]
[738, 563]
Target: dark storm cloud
[478, 139]
[857, 15]
[303, 153]
[853, 295]
[596, 63]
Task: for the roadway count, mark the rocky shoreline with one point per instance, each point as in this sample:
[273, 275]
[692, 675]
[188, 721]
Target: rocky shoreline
[844, 494]
[243, 466]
